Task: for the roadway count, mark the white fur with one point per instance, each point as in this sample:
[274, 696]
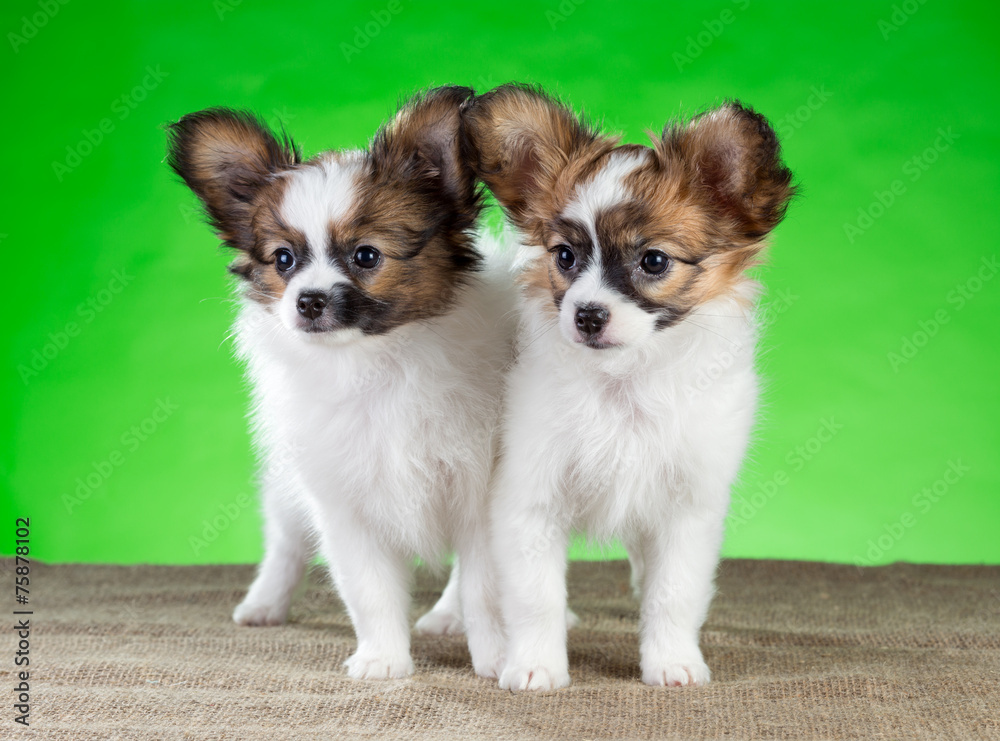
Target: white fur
[377, 449]
[319, 196]
[618, 442]
[605, 189]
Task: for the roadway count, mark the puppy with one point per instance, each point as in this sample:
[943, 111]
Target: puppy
[374, 350]
[633, 395]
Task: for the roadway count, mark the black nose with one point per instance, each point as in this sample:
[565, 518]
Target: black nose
[590, 320]
[311, 305]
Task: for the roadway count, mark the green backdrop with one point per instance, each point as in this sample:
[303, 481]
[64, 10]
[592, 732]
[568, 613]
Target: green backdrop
[124, 436]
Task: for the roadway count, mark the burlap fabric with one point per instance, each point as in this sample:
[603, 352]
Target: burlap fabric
[797, 650]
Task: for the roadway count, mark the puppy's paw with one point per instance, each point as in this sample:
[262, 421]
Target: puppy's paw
[490, 666]
[254, 613]
[676, 673]
[487, 655]
[379, 666]
[537, 677]
[440, 623]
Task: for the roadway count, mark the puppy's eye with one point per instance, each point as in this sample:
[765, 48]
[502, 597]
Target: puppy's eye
[565, 258]
[367, 257]
[654, 262]
[284, 260]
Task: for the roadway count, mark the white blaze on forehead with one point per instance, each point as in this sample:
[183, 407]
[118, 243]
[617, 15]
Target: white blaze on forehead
[604, 190]
[320, 195]
[627, 323]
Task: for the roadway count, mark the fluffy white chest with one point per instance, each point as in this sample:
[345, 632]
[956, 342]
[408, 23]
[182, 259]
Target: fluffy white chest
[627, 437]
[395, 432]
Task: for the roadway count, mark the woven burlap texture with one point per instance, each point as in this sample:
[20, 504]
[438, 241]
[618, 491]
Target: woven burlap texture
[797, 650]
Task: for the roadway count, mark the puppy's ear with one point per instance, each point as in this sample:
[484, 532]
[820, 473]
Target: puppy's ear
[733, 160]
[423, 144]
[520, 140]
[225, 156]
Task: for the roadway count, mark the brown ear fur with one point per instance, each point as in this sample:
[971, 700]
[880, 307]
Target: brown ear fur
[733, 161]
[423, 143]
[225, 156]
[521, 142]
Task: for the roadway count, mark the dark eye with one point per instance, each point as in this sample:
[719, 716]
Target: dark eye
[284, 260]
[367, 257]
[654, 262]
[565, 258]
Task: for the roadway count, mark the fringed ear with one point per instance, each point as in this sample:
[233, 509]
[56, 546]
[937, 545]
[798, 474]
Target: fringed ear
[225, 156]
[520, 140]
[733, 160]
[424, 142]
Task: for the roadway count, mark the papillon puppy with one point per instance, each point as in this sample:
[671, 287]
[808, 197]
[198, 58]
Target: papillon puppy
[632, 399]
[374, 344]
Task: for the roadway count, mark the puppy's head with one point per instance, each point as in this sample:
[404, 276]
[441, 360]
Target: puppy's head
[637, 237]
[347, 243]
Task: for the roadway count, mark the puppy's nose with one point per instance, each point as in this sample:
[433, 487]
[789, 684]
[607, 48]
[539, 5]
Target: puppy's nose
[590, 320]
[311, 305]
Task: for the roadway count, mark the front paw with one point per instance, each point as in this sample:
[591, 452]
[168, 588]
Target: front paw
[365, 665]
[487, 655]
[259, 613]
[440, 623]
[535, 677]
[676, 672]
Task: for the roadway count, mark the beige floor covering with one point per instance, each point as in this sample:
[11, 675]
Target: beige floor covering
[798, 650]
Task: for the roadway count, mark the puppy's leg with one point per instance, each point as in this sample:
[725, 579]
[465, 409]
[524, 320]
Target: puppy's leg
[680, 560]
[287, 551]
[445, 618]
[635, 563]
[374, 584]
[529, 547]
[479, 602]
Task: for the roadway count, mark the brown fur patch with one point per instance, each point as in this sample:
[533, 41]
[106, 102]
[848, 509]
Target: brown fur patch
[530, 150]
[544, 281]
[271, 232]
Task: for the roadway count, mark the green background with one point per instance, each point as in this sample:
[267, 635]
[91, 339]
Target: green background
[859, 92]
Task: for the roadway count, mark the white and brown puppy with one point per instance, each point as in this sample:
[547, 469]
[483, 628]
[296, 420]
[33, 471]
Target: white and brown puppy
[636, 295]
[373, 345]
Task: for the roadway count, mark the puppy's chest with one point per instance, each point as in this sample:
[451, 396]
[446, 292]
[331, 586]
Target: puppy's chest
[616, 426]
[370, 421]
